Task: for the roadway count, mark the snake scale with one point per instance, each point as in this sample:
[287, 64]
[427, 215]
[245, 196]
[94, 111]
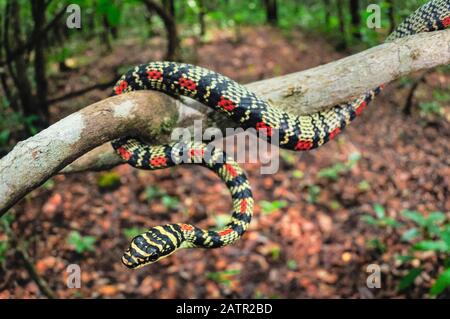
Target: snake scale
[298, 133]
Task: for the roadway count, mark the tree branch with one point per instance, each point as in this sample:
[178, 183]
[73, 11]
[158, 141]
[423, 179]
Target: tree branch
[155, 115]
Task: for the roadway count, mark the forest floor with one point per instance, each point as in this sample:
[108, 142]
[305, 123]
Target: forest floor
[307, 238]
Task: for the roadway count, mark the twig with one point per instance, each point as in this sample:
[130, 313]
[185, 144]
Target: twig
[409, 100]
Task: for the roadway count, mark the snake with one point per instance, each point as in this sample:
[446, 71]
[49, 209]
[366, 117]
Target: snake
[224, 95]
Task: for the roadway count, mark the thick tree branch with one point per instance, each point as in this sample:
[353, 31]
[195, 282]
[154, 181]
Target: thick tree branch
[155, 115]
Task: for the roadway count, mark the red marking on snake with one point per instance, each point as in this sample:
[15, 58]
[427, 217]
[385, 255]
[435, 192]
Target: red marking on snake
[226, 104]
[186, 227]
[446, 22]
[121, 87]
[303, 145]
[243, 206]
[158, 161]
[124, 153]
[187, 83]
[154, 74]
[261, 126]
[195, 152]
[361, 108]
[225, 232]
[335, 132]
[230, 169]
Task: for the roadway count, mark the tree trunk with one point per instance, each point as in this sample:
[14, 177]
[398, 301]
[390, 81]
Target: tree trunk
[169, 5]
[343, 39]
[391, 15]
[271, 12]
[201, 17]
[356, 19]
[17, 65]
[170, 25]
[327, 7]
[38, 11]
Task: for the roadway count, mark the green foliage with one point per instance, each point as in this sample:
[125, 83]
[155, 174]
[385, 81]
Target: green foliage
[170, 202]
[13, 123]
[430, 108]
[271, 207]
[430, 233]
[313, 193]
[376, 244]
[154, 193]
[111, 10]
[108, 180]
[441, 96]
[291, 264]
[298, 174]
[334, 172]
[5, 228]
[364, 186]
[409, 278]
[223, 277]
[81, 243]
[380, 219]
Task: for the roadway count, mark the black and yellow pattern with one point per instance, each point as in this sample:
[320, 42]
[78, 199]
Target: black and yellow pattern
[219, 92]
[161, 241]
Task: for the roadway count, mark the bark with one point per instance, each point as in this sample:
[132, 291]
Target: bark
[155, 115]
[169, 5]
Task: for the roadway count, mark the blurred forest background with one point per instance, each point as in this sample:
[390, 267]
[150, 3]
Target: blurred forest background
[378, 195]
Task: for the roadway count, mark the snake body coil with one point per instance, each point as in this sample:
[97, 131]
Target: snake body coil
[298, 133]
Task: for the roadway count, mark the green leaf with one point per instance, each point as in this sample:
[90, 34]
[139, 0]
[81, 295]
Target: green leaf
[408, 280]
[4, 137]
[431, 245]
[170, 202]
[81, 243]
[415, 217]
[410, 234]
[442, 282]
[379, 210]
[291, 264]
[389, 221]
[435, 218]
[333, 172]
[152, 192]
[364, 186]
[353, 159]
[369, 220]
[445, 235]
[271, 207]
[298, 174]
[313, 193]
[404, 258]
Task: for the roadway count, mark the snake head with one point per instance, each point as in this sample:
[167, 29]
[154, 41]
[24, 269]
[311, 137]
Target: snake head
[149, 248]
